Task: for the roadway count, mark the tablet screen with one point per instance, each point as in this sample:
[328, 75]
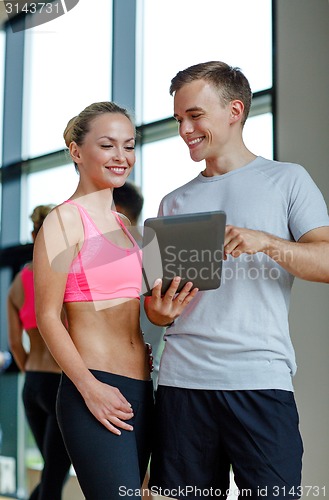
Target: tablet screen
[187, 245]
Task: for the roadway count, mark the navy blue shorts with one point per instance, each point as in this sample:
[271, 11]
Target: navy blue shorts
[201, 434]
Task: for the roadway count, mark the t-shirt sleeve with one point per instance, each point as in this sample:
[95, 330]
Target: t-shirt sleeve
[307, 208]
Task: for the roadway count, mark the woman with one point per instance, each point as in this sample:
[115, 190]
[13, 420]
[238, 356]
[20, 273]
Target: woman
[86, 258]
[42, 376]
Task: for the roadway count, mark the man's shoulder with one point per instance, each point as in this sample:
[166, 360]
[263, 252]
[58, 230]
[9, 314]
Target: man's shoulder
[276, 165]
[279, 169]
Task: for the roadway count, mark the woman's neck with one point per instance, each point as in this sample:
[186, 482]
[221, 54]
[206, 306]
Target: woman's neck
[91, 200]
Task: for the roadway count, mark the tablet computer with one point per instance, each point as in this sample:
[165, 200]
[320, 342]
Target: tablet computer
[187, 245]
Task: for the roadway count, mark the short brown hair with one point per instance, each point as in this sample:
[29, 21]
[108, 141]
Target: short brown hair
[229, 81]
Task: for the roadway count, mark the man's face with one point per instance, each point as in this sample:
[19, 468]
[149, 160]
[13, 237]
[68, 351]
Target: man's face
[204, 121]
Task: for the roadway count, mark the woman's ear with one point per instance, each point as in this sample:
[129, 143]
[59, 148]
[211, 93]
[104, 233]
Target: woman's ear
[74, 152]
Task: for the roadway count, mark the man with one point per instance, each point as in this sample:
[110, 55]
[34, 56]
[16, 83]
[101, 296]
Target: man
[225, 395]
[129, 201]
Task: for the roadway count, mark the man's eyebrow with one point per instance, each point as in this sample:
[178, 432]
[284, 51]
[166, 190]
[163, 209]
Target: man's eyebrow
[189, 110]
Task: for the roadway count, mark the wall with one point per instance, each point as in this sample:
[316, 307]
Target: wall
[303, 137]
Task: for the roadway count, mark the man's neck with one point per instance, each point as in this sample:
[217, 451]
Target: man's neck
[225, 164]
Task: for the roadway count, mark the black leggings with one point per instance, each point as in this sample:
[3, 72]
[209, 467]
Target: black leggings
[39, 398]
[108, 466]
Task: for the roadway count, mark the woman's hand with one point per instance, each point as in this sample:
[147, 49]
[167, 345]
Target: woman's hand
[162, 310]
[109, 406]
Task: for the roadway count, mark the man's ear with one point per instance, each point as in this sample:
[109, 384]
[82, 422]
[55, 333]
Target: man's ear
[75, 152]
[237, 109]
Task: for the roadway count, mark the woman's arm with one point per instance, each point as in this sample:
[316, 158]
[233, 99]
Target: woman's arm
[162, 310]
[53, 253]
[15, 328]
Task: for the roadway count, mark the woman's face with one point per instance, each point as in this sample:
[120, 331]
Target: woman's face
[107, 155]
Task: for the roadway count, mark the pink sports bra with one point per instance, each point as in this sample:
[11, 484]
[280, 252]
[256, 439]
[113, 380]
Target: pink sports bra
[103, 270]
[27, 311]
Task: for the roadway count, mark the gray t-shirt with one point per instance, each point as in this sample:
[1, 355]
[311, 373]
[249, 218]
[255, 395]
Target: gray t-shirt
[237, 337]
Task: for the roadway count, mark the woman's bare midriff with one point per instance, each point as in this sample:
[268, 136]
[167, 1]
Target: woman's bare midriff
[108, 337]
[39, 358]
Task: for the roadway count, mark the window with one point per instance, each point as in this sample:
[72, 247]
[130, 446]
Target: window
[68, 66]
[2, 63]
[51, 186]
[177, 35]
[166, 165]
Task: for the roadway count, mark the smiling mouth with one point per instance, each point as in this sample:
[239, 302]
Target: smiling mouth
[117, 170]
[193, 142]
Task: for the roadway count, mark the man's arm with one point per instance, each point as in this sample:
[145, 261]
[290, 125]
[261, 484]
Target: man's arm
[307, 259]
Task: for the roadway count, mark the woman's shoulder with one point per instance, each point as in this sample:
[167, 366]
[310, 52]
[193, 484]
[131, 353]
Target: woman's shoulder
[62, 230]
[67, 211]
[64, 218]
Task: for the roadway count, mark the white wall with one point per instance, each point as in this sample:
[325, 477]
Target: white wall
[303, 137]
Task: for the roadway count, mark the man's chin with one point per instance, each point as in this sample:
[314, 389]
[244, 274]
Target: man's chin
[196, 158]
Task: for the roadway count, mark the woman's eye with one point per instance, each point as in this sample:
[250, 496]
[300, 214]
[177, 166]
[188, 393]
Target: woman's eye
[130, 148]
[106, 146]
